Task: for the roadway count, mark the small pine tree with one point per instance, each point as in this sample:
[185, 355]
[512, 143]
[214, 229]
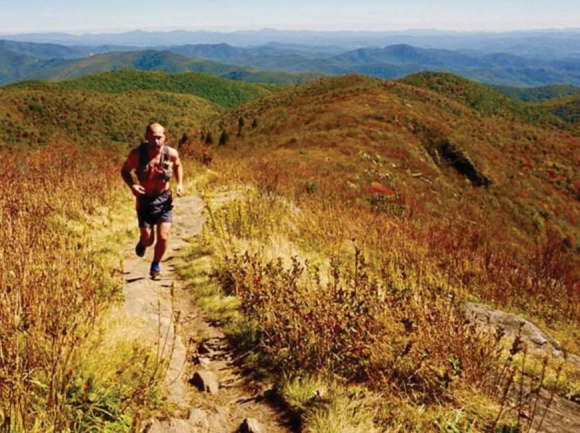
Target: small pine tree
[183, 139]
[208, 138]
[223, 138]
[240, 126]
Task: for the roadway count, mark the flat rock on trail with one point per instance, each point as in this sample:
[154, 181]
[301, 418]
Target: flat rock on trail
[191, 345]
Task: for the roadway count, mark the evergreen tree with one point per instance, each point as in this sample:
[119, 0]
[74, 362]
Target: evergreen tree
[223, 138]
[183, 139]
[240, 126]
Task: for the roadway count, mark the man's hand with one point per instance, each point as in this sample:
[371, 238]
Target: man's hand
[179, 190]
[137, 190]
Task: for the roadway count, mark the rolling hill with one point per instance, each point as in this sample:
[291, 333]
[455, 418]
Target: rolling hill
[224, 92]
[20, 67]
[13, 65]
[424, 122]
[540, 93]
[110, 108]
[567, 109]
[435, 149]
[29, 119]
[484, 99]
[395, 61]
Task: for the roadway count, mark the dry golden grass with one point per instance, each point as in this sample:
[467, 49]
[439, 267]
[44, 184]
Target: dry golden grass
[60, 268]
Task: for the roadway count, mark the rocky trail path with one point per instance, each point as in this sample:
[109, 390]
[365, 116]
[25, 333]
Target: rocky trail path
[206, 390]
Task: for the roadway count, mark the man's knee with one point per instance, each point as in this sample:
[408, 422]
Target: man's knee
[163, 236]
[147, 237]
[163, 232]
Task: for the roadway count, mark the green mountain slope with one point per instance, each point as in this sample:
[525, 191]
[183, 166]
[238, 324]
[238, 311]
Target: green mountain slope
[29, 68]
[14, 64]
[539, 93]
[396, 61]
[144, 60]
[291, 65]
[46, 51]
[224, 92]
[32, 117]
[568, 109]
[482, 98]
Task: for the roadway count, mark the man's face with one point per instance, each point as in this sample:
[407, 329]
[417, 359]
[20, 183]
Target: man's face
[156, 137]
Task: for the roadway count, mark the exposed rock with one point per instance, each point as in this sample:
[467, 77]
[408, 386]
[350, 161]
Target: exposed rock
[199, 419]
[205, 381]
[511, 324]
[204, 348]
[463, 164]
[171, 425]
[251, 425]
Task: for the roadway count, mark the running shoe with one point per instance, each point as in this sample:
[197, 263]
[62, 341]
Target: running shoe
[155, 271]
[140, 249]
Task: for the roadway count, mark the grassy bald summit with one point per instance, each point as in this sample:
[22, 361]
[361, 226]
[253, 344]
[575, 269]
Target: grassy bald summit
[466, 162]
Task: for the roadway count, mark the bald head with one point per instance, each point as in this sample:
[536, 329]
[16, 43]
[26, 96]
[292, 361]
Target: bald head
[154, 128]
[155, 135]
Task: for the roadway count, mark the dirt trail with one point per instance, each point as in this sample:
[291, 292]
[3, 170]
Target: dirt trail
[195, 345]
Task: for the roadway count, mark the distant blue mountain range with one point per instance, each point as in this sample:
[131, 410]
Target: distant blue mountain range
[547, 44]
[530, 58]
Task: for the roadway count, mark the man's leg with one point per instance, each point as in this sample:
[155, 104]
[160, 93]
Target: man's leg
[162, 238]
[146, 239]
[147, 236]
[160, 248]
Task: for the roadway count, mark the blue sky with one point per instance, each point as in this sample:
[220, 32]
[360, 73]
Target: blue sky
[80, 16]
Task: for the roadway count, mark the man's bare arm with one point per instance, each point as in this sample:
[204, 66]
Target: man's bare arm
[178, 172]
[126, 174]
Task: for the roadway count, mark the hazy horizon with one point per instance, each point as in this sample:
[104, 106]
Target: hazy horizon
[263, 29]
[108, 16]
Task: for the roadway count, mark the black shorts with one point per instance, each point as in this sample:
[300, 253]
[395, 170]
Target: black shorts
[153, 210]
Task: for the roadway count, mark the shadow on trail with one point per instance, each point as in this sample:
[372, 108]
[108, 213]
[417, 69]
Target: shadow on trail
[133, 280]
